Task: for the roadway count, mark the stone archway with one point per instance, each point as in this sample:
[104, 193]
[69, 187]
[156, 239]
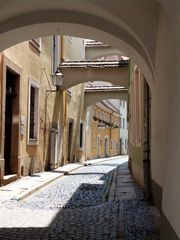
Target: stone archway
[100, 22]
[144, 30]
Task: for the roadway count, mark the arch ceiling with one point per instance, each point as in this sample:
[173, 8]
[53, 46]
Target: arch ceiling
[130, 26]
[91, 98]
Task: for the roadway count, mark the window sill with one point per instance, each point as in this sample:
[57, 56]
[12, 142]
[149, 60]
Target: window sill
[32, 142]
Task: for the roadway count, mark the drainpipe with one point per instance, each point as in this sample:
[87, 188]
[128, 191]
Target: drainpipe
[110, 134]
[63, 122]
[48, 93]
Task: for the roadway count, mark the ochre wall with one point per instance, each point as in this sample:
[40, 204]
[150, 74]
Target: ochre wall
[73, 49]
[112, 134]
[35, 65]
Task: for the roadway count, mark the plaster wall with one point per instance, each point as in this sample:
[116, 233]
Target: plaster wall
[75, 76]
[98, 52]
[37, 66]
[112, 134]
[136, 146]
[93, 97]
[124, 130]
[166, 126]
[73, 49]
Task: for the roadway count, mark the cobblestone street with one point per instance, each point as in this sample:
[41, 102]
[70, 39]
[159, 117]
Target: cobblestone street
[98, 201]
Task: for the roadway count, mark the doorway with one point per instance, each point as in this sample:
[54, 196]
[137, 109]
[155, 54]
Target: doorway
[11, 131]
[121, 142]
[98, 146]
[70, 134]
[106, 147]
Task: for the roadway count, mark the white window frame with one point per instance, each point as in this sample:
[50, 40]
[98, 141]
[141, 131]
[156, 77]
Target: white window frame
[36, 85]
[36, 42]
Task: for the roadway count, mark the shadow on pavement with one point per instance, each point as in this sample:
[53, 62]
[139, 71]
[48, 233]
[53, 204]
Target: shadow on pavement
[89, 215]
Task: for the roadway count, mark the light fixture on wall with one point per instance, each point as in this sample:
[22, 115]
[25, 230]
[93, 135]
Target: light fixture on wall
[57, 78]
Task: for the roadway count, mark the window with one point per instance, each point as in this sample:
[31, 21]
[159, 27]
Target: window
[36, 42]
[111, 144]
[81, 136]
[102, 116]
[94, 142]
[98, 145]
[109, 118]
[125, 144]
[33, 112]
[123, 123]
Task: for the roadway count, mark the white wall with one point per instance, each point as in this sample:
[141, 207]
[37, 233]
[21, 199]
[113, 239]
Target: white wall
[166, 121]
[124, 129]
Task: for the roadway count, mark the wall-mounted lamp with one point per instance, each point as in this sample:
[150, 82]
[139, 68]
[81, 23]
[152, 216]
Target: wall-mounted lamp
[57, 78]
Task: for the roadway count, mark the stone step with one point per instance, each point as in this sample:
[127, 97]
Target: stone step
[9, 178]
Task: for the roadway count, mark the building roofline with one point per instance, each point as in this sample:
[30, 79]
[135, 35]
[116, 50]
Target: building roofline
[95, 64]
[93, 44]
[105, 89]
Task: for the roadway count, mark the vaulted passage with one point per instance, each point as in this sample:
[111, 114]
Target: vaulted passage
[145, 31]
[97, 94]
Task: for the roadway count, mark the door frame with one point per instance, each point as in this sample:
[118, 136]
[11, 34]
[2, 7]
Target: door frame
[106, 145]
[8, 64]
[69, 144]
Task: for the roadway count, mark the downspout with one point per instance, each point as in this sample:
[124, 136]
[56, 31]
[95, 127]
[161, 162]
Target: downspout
[47, 94]
[45, 130]
[110, 134]
[64, 110]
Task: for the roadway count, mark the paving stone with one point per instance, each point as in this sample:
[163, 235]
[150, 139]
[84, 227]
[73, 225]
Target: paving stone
[76, 206]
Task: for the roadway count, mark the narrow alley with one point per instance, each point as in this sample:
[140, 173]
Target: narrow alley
[97, 201]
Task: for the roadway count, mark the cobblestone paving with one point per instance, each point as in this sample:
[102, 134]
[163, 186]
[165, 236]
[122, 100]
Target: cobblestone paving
[76, 207]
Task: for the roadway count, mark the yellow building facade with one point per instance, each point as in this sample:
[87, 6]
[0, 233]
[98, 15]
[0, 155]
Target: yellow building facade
[102, 131]
[26, 116]
[39, 125]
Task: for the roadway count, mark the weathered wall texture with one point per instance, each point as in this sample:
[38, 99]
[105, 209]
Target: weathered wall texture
[35, 65]
[136, 124]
